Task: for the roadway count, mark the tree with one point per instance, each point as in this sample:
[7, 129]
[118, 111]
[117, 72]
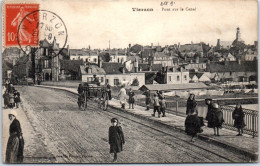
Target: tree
[105, 56]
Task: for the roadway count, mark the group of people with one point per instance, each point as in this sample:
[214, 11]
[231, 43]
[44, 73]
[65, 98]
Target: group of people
[159, 102]
[11, 96]
[123, 96]
[214, 117]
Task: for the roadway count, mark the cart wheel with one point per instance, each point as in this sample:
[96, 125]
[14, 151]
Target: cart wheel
[85, 104]
[105, 102]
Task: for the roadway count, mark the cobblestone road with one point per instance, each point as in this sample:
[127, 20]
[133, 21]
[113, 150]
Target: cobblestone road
[82, 136]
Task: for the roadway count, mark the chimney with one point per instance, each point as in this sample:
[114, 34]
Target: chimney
[100, 62]
[68, 48]
[218, 42]
[255, 44]
[208, 61]
[185, 58]
[13, 62]
[178, 61]
[136, 65]
[197, 59]
[239, 61]
[178, 45]
[152, 45]
[191, 61]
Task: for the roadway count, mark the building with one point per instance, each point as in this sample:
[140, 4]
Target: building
[117, 74]
[6, 70]
[69, 69]
[114, 74]
[234, 71]
[23, 68]
[190, 50]
[12, 54]
[223, 45]
[118, 56]
[162, 58]
[87, 72]
[250, 55]
[172, 76]
[198, 64]
[85, 55]
[238, 41]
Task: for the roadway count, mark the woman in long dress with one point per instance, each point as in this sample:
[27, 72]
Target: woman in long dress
[15, 144]
[238, 115]
[122, 96]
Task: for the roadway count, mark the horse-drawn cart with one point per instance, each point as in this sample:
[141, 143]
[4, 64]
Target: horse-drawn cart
[95, 93]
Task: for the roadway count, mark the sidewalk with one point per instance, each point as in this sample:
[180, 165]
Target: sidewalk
[243, 144]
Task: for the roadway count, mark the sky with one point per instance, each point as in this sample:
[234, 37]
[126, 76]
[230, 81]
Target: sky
[94, 23]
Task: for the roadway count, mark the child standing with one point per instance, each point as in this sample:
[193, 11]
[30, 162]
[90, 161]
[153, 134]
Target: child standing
[131, 99]
[17, 99]
[116, 138]
[156, 104]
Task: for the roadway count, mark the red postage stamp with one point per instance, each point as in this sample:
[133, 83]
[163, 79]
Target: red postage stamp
[18, 26]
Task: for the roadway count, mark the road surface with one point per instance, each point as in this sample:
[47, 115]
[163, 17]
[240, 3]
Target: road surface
[74, 136]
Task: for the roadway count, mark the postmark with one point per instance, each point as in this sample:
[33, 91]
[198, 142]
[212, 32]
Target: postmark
[47, 27]
[14, 15]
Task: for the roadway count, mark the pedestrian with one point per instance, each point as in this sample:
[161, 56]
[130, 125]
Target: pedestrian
[209, 115]
[116, 138]
[238, 115]
[216, 119]
[15, 144]
[11, 100]
[156, 105]
[6, 99]
[96, 80]
[122, 96]
[193, 125]
[108, 89]
[11, 88]
[163, 106]
[80, 89]
[17, 99]
[131, 99]
[191, 105]
[147, 99]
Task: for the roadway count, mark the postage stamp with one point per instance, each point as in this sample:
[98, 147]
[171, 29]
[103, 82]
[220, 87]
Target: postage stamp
[15, 13]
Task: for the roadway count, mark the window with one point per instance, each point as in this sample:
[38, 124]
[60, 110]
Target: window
[102, 79]
[178, 78]
[107, 81]
[46, 64]
[170, 78]
[95, 59]
[116, 81]
[185, 77]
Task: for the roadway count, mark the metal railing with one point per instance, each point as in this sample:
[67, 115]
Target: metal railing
[251, 120]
